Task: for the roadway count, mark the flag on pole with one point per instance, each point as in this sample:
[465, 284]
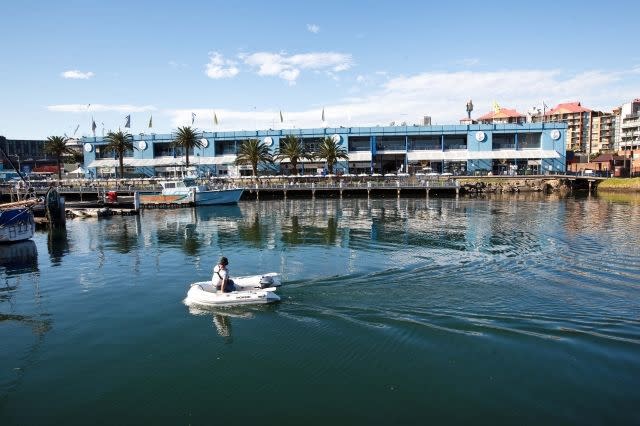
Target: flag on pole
[496, 107]
[93, 126]
[127, 121]
[215, 118]
[151, 121]
[322, 114]
[281, 119]
[193, 118]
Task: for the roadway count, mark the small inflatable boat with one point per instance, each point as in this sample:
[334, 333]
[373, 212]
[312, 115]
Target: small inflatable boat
[255, 289]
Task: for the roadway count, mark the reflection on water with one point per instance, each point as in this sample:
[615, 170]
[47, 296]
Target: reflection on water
[620, 197]
[17, 258]
[221, 318]
[57, 244]
[223, 325]
[22, 334]
[471, 294]
[496, 224]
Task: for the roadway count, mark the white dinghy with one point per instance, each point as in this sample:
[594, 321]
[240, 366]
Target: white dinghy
[256, 289]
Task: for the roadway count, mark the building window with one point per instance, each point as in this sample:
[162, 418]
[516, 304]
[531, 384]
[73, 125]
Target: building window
[503, 141]
[359, 143]
[311, 144]
[226, 147]
[163, 149]
[455, 142]
[101, 152]
[391, 143]
[425, 143]
[529, 140]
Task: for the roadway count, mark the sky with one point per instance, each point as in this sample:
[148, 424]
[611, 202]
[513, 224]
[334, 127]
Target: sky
[65, 64]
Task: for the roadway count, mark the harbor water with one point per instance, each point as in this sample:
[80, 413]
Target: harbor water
[514, 309]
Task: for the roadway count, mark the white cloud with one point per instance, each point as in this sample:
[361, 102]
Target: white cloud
[441, 95]
[218, 67]
[313, 28]
[77, 75]
[288, 67]
[82, 108]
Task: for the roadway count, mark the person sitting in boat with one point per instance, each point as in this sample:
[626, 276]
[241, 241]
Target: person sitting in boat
[221, 276]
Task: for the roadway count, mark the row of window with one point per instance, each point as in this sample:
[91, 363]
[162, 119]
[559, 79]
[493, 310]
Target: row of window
[363, 143]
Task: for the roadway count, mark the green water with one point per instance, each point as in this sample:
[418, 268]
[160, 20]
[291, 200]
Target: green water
[503, 310]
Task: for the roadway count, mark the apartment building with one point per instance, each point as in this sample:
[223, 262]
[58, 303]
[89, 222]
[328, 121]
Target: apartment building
[579, 121]
[603, 132]
[629, 123]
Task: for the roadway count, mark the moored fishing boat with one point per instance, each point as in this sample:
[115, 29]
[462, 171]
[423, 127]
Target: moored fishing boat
[187, 192]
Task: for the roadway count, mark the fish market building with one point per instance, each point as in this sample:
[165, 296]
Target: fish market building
[466, 149]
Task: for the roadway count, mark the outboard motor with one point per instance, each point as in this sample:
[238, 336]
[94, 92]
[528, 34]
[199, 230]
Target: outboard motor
[266, 281]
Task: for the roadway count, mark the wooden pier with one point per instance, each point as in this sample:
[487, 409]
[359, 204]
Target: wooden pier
[381, 189]
[120, 194]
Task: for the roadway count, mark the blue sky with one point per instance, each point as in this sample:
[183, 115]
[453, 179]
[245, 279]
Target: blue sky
[365, 63]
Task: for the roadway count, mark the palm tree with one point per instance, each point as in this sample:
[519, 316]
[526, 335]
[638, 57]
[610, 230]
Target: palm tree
[331, 152]
[188, 139]
[292, 148]
[57, 146]
[253, 151]
[119, 142]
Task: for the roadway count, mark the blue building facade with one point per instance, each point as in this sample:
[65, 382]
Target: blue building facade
[531, 148]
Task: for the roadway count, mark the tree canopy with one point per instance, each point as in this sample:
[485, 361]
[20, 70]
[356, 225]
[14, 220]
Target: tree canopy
[57, 146]
[187, 138]
[119, 142]
[253, 152]
[331, 152]
[292, 149]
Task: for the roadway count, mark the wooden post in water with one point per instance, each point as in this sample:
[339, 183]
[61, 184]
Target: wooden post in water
[136, 201]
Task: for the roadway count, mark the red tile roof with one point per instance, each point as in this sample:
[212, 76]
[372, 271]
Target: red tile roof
[568, 108]
[502, 113]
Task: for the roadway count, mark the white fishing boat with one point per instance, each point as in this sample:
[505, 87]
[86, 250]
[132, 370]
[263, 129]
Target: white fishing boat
[256, 289]
[187, 191]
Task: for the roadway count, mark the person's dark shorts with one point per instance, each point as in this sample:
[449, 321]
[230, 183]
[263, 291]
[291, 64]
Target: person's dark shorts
[230, 287]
